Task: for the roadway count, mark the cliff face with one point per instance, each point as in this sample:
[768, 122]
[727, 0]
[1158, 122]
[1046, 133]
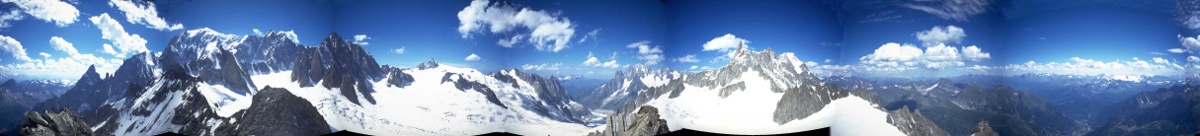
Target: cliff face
[643, 123]
[63, 123]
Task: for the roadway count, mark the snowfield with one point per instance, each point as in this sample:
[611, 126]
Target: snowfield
[751, 112]
[427, 107]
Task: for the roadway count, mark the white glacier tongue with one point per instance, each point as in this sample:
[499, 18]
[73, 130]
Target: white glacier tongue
[430, 106]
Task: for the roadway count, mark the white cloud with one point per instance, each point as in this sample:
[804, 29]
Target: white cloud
[936, 55]
[1186, 13]
[473, 57]
[61, 13]
[1078, 65]
[256, 31]
[593, 62]
[543, 66]
[694, 67]
[546, 31]
[939, 34]
[1190, 44]
[724, 43]
[399, 50]
[651, 54]
[290, 34]
[63, 67]
[143, 15]
[360, 39]
[69, 67]
[6, 18]
[690, 58]
[810, 64]
[893, 54]
[12, 46]
[1176, 50]
[828, 60]
[62, 45]
[509, 42]
[1193, 59]
[973, 53]
[589, 35]
[109, 49]
[112, 30]
[960, 10]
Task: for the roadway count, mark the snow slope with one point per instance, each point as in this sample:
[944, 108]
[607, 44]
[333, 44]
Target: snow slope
[750, 112]
[428, 107]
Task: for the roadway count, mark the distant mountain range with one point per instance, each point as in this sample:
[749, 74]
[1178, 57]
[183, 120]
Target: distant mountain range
[209, 83]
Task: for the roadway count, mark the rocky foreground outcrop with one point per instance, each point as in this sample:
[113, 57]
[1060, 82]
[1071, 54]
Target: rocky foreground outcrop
[63, 123]
[983, 129]
[643, 123]
[276, 111]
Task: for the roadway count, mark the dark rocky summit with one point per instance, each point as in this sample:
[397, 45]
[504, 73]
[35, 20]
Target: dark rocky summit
[275, 111]
[63, 123]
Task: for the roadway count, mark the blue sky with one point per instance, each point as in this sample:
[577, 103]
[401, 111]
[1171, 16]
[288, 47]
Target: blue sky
[906, 38]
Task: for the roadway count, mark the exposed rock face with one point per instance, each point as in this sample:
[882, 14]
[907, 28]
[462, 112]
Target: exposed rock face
[396, 76]
[645, 122]
[276, 111]
[173, 104]
[984, 130]
[463, 84]
[625, 86]
[92, 91]
[63, 123]
[915, 124]
[268, 53]
[338, 63]
[428, 64]
[554, 101]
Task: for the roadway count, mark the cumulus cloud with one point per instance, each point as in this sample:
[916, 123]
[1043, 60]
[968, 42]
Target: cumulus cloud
[651, 54]
[959, 10]
[140, 14]
[543, 66]
[62, 45]
[1189, 44]
[122, 41]
[12, 46]
[690, 58]
[592, 61]
[399, 50]
[360, 39]
[69, 67]
[724, 43]
[939, 34]
[546, 31]
[828, 60]
[893, 54]
[473, 57]
[935, 55]
[6, 18]
[973, 53]
[61, 13]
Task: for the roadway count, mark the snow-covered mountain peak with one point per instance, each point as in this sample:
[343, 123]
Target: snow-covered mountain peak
[429, 64]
